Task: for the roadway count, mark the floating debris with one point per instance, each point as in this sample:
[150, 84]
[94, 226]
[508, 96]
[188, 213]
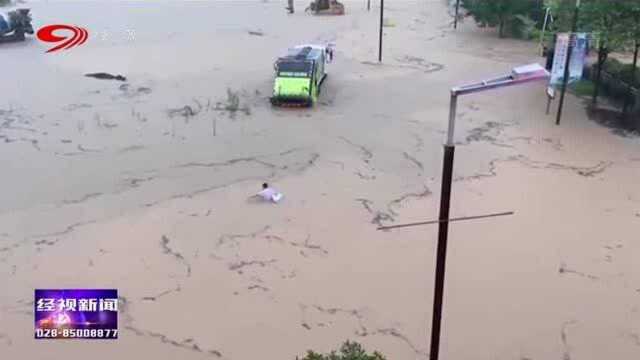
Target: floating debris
[106, 76]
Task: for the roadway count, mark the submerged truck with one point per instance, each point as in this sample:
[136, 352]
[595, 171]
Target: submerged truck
[325, 7]
[300, 74]
[14, 25]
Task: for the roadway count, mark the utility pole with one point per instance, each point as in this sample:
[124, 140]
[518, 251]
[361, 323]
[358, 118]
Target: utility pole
[381, 24]
[565, 80]
[455, 21]
[443, 231]
[518, 76]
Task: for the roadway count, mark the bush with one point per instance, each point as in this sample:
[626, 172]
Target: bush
[5, 2]
[348, 351]
[616, 80]
[620, 71]
[583, 88]
[523, 27]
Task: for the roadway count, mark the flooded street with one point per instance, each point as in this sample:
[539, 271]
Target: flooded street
[142, 185]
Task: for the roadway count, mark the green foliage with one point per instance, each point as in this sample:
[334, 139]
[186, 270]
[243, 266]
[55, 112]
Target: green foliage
[615, 82]
[630, 10]
[548, 36]
[348, 351]
[604, 18]
[621, 71]
[500, 13]
[523, 27]
[5, 2]
[562, 11]
[583, 88]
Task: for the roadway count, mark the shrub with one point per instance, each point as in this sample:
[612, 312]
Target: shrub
[583, 88]
[348, 351]
[523, 27]
[616, 80]
[620, 71]
[5, 2]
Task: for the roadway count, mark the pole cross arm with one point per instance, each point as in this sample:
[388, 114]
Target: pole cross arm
[389, 227]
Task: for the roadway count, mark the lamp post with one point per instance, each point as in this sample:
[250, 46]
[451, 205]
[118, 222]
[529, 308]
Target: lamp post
[381, 25]
[518, 76]
[544, 28]
[565, 79]
[455, 21]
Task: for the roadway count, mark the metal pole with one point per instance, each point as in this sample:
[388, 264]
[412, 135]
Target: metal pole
[443, 229]
[544, 28]
[455, 21]
[450, 220]
[453, 104]
[381, 23]
[565, 80]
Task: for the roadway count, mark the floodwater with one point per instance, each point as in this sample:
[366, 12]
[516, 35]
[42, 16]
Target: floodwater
[142, 186]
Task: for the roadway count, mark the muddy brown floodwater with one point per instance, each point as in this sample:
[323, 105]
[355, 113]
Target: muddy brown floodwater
[142, 186]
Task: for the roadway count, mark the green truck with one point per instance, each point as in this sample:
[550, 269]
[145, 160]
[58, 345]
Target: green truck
[300, 74]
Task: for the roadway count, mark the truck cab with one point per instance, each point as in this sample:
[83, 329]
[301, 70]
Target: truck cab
[299, 75]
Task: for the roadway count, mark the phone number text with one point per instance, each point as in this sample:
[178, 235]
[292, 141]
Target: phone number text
[76, 333]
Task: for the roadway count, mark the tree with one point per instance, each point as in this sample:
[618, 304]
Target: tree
[602, 18]
[562, 11]
[500, 13]
[348, 351]
[631, 13]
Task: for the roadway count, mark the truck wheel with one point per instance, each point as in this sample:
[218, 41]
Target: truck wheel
[19, 35]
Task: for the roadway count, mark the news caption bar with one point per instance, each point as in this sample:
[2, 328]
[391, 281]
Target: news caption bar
[76, 313]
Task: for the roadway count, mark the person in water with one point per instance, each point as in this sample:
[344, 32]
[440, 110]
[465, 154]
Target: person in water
[270, 194]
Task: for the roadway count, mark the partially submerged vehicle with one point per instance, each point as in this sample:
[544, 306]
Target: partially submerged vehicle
[300, 74]
[15, 24]
[325, 7]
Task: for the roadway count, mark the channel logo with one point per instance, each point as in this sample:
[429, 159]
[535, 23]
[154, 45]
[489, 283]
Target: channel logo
[79, 37]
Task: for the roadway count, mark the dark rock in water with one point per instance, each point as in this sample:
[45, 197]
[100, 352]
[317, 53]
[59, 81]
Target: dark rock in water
[106, 76]
[143, 90]
[185, 111]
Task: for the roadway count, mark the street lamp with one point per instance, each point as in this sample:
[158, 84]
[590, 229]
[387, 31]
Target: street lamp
[519, 75]
[381, 31]
[565, 79]
[547, 14]
[455, 21]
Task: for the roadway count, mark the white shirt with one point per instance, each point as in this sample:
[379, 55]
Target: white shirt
[270, 194]
[267, 194]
